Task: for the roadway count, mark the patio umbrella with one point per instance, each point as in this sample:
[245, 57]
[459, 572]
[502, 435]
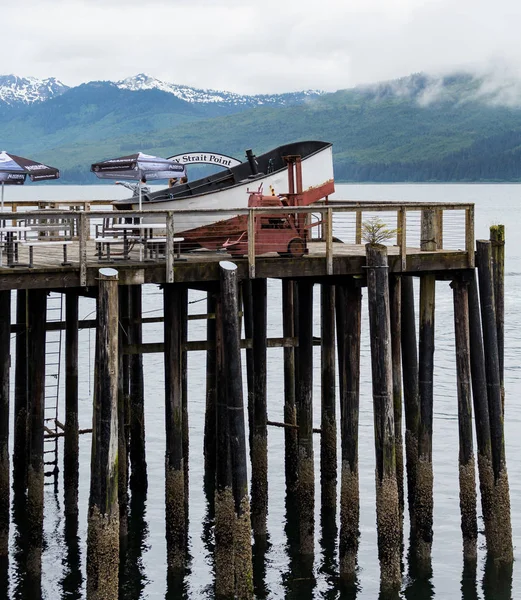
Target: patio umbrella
[14, 170]
[135, 166]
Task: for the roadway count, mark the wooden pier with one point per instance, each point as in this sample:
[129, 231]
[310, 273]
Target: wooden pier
[350, 246]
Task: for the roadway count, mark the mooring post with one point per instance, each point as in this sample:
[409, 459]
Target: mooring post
[410, 391]
[37, 317]
[5, 362]
[209, 443]
[290, 411]
[233, 377]
[20, 446]
[504, 548]
[467, 467]
[482, 421]
[103, 520]
[349, 318]
[71, 441]
[497, 239]
[259, 440]
[123, 397]
[328, 438]
[395, 303]
[225, 519]
[387, 504]
[138, 477]
[174, 462]
[304, 402]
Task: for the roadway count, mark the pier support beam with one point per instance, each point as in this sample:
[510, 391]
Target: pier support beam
[235, 404]
[20, 396]
[304, 402]
[103, 521]
[497, 240]
[123, 409]
[138, 477]
[225, 519]
[348, 318]
[290, 411]
[395, 303]
[174, 462]
[5, 362]
[209, 443]
[467, 467]
[37, 317]
[259, 438]
[501, 547]
[410, 392]
[71, 441]
[328, 438]
[482, 420]
[387, 505]
[424, 474]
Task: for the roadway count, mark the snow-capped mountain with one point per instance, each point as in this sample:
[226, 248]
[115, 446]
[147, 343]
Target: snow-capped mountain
[19, 91]
[27, 90]
[203, 96]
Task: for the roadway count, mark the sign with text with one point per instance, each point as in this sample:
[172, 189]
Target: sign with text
[210, 158]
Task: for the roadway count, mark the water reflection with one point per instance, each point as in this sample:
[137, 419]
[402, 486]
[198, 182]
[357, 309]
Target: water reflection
[72, 581]
[260, 548]
[419, 581]
[133, 579]
[497, 581]
[299, 580]
[328, 543]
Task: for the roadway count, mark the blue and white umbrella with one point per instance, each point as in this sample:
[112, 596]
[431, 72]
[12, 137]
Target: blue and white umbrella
[135, 166]
[14, 170]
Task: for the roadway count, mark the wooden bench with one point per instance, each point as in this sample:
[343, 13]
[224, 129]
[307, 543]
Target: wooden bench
[32, 243]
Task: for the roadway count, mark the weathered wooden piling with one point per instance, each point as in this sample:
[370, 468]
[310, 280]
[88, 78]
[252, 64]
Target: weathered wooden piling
[138, 477]
[387, 504]
[259, 438]
[20, 445]
[504, 550]
[349, 318]
[304, 402]
[467, 468]
[71, 441]
[328, 437]
[123, 398]
[225, 519]
[174, 460]
[497, 239]
[233, 378]
[395, 303]
[482, 421]
[37, 317]
[410, 392]
[209, 444]
[5, 361]
[290, 411]
[103, 519]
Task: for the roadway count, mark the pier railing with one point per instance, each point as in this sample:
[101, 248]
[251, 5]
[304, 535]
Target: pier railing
[251, 232]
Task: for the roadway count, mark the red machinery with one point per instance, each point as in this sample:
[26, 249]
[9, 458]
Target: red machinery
[285, 233]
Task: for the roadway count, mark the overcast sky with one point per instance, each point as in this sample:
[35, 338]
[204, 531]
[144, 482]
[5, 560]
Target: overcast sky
[257, 47]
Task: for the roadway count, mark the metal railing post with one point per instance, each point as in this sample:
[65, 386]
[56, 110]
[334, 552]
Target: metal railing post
[251, 243]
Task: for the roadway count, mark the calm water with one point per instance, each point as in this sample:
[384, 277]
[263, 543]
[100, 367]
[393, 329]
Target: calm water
[64, 566]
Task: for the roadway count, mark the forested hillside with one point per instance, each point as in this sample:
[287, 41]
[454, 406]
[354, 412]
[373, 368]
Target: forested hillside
[413, 129]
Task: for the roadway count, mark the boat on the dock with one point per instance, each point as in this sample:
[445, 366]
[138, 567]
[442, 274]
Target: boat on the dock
[230, 189]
